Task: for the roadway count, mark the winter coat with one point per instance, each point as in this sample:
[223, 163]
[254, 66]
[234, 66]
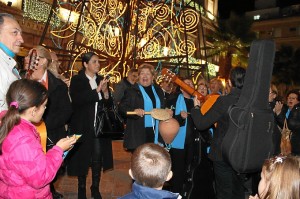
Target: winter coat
[293, 122]
[59, 109]
[120, 88]
[82, 122]
[142, 192]
[25, 171]
[217, 113]
[135, 132]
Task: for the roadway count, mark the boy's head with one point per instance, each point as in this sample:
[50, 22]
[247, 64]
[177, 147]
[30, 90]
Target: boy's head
[150, 165]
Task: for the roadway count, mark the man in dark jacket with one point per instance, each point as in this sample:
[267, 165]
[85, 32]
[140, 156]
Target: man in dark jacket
[228, 184]
[59, 108]
[125, 83]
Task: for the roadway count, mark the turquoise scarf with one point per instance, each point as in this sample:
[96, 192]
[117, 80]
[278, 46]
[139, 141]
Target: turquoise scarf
[287, 113]
[178, 142]
[6, 50]
[148, 106]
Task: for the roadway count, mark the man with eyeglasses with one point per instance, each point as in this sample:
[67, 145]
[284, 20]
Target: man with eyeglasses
[10, 43]
[54, 68]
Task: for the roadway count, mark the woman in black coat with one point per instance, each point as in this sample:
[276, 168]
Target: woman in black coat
[88, 91]
[291, 113]
[143, 96]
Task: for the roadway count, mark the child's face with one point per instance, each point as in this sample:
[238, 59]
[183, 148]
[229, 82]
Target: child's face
[39, 112]
[263, 184]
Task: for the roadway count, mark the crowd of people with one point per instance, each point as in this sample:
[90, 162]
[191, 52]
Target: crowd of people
[193, 162]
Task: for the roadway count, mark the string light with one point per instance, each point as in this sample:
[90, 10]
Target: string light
[39, 11]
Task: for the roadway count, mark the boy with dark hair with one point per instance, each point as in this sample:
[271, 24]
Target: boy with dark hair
[150, 168]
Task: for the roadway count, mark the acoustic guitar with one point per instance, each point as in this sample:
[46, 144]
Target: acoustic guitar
[206, 101]
[40, 127]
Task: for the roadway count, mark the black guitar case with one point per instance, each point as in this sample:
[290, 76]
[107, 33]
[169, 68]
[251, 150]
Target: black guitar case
[248, 141]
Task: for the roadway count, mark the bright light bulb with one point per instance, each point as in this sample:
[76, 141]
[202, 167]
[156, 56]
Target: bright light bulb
[117, 31]
[166, 51]
[143, 42]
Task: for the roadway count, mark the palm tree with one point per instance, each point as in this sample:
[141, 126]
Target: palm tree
[231, 38]
[287, 66]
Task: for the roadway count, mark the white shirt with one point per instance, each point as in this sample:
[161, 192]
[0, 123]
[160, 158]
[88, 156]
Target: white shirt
[94, 85]
[6, 77]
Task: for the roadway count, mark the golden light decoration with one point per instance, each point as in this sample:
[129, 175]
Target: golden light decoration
[126, 33]
[38, 11]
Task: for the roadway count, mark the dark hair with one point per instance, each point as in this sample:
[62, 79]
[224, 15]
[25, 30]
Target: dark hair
[86, 57]
[237, 76]
[132, 70]
[150, 165]
[26, 93]
[2, 15]
[296, 92]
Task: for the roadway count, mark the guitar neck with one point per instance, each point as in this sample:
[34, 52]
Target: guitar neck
[189, 89]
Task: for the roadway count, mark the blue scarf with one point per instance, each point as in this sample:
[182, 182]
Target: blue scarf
[287, 113]
[179, 140]
[6, 50]
[148, 106]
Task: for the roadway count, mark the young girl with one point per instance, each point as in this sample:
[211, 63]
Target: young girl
[25, 171]
[280, 178]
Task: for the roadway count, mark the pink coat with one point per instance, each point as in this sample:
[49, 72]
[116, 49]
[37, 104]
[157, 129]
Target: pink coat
[25, 171]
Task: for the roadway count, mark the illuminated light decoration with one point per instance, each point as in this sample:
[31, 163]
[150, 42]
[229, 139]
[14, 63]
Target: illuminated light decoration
[125, 33]
[39, 11]
[166, 50]
[68, 16]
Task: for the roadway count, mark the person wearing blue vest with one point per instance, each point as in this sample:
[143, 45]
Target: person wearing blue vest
[10, 43]
[140, 98]
[181, 149]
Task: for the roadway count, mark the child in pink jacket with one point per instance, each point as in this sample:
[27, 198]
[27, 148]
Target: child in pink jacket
[25, 171]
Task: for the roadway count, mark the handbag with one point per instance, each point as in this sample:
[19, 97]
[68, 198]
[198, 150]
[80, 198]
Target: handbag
[108, 122]
[285, 143]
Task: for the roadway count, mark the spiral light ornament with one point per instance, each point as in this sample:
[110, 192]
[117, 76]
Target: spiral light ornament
[190, 19]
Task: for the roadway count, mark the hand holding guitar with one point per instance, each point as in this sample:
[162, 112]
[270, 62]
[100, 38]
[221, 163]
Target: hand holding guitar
[197, 102]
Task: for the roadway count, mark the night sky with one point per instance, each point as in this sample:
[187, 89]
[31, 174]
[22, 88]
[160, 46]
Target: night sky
[242, 6]
[237, 6]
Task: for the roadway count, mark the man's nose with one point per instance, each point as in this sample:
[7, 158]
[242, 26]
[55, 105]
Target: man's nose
[21, 38]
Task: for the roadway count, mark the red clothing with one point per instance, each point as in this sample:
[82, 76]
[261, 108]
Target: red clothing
[25, 171]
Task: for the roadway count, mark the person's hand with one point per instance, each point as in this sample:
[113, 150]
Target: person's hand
[278, 107]
[139, 112]
[102, 86]
[170, 112]
[254, 197]
[66, 143]
[183, 114]
[67, 81]
[196, 102]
